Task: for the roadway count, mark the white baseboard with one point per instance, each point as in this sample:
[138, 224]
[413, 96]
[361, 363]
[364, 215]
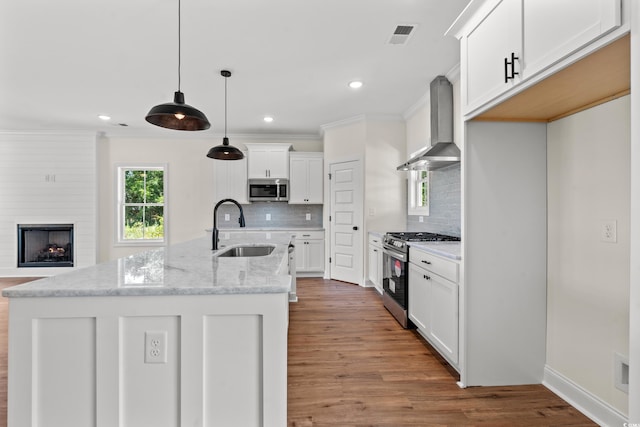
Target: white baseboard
[593, 407]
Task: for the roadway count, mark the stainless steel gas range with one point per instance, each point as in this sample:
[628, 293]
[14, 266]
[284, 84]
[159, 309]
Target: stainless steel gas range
[395, 281]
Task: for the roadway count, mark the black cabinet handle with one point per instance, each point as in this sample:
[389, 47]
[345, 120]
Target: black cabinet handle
[426, 277]
[426, 262]
[511, 64]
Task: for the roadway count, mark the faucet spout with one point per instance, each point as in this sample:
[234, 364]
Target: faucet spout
[214, 237]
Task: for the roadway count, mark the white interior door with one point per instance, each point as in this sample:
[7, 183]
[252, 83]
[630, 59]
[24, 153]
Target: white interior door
[346, 221]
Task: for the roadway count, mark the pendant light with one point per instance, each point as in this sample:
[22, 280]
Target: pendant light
[225, 151]
[178, 115]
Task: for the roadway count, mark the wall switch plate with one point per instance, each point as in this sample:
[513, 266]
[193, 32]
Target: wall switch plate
[268, 218]
[372, 211]
[226, 217]
[308, 217]
[420, 218]
[155, 347]
[609, 232]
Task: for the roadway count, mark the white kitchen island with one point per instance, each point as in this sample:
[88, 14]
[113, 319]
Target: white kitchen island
[169, 337]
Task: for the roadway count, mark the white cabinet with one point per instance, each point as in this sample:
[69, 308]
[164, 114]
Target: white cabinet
[433, 301]
[309, 252]
[230, 180]
[305, 181]
[492, 47]
[554, 29]
[507, 42]
[375, 261]
[268, 160]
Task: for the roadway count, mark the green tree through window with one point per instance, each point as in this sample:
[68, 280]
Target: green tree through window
[142, 204]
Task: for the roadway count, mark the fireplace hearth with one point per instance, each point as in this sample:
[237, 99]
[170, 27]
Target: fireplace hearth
[45, 245]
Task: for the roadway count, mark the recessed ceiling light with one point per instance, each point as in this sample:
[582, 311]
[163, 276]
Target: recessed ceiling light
[104, 117]
[356, 84]
[268, 119]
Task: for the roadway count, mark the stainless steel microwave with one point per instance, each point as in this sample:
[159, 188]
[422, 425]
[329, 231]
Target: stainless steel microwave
[268, 190]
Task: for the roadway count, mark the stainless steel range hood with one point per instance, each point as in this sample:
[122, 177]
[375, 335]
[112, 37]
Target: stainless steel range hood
[443, 151]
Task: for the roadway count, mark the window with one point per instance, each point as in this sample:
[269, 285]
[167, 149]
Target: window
[418, 197]
[141, 204]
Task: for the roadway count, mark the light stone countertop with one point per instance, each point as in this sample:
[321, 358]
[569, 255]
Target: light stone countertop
[451, 250]
[188, 268]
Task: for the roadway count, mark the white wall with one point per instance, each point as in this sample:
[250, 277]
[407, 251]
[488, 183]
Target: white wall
[190, 195]
[588, 280]
[47, 178]
[385, 187]
[380, 144]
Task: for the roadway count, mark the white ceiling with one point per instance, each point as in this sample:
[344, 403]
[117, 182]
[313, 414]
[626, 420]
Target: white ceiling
[64, 62]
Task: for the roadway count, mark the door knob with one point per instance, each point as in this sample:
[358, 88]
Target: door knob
[355, 227]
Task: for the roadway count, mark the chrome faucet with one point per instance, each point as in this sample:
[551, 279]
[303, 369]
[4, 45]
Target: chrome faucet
[214, 238]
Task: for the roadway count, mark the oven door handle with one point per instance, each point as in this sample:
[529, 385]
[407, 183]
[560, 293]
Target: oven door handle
[398, 255]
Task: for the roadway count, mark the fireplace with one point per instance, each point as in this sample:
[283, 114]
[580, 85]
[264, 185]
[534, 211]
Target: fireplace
[45, 245]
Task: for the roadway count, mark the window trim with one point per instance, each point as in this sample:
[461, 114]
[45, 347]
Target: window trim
[119, 239]
[412, 195]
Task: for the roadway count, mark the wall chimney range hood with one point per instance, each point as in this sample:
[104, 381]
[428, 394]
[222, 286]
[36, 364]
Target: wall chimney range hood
[443, 151]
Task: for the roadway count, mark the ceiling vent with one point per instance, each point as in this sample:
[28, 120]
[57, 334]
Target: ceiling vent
[402, 34]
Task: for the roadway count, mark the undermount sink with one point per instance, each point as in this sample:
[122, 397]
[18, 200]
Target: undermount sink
[246, 251]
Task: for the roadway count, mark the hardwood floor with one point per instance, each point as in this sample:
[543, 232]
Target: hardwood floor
[351, 364]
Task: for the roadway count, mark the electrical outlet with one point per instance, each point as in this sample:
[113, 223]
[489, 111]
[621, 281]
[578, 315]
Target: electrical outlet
[372, 211]
[268, 217]
[155, 347]
[308, 217]
[609, 232]
[420, 218]
[226, 217]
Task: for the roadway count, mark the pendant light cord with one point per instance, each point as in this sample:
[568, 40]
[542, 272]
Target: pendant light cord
[225, 106]
[179, 45]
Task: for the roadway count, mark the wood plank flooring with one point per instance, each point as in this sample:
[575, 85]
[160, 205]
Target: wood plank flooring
[352, 365]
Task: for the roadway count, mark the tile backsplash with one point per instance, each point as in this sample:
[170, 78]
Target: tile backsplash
[281, 215]
[445, 204]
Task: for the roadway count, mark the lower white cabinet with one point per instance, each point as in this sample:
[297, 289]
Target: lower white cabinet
[375, 262]
[309, 252]
[433, 302]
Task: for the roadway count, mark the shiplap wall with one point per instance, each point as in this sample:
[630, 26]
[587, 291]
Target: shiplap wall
[47, 178]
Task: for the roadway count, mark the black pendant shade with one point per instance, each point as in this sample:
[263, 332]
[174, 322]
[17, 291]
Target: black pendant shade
[225, 151]
[178, 115]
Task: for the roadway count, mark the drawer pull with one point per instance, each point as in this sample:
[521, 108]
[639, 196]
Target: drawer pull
[306, 235]
[426, 262]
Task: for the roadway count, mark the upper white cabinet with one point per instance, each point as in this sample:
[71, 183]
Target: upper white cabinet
[507, 42]
[230, 179]
[305, 178]
[554, 29]
[493, 50]
[268, 160]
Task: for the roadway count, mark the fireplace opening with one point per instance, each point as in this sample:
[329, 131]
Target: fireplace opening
[45, 245]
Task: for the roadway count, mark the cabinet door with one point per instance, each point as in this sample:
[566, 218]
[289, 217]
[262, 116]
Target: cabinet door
[278, 163]
[258, 163]
[373, 265]
[554, 29]
[315, 257]
[315, 185]
[419, 298]
[443, 326]
[487, 45]
[299, 182]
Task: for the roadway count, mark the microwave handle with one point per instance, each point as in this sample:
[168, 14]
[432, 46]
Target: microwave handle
[278, 191]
